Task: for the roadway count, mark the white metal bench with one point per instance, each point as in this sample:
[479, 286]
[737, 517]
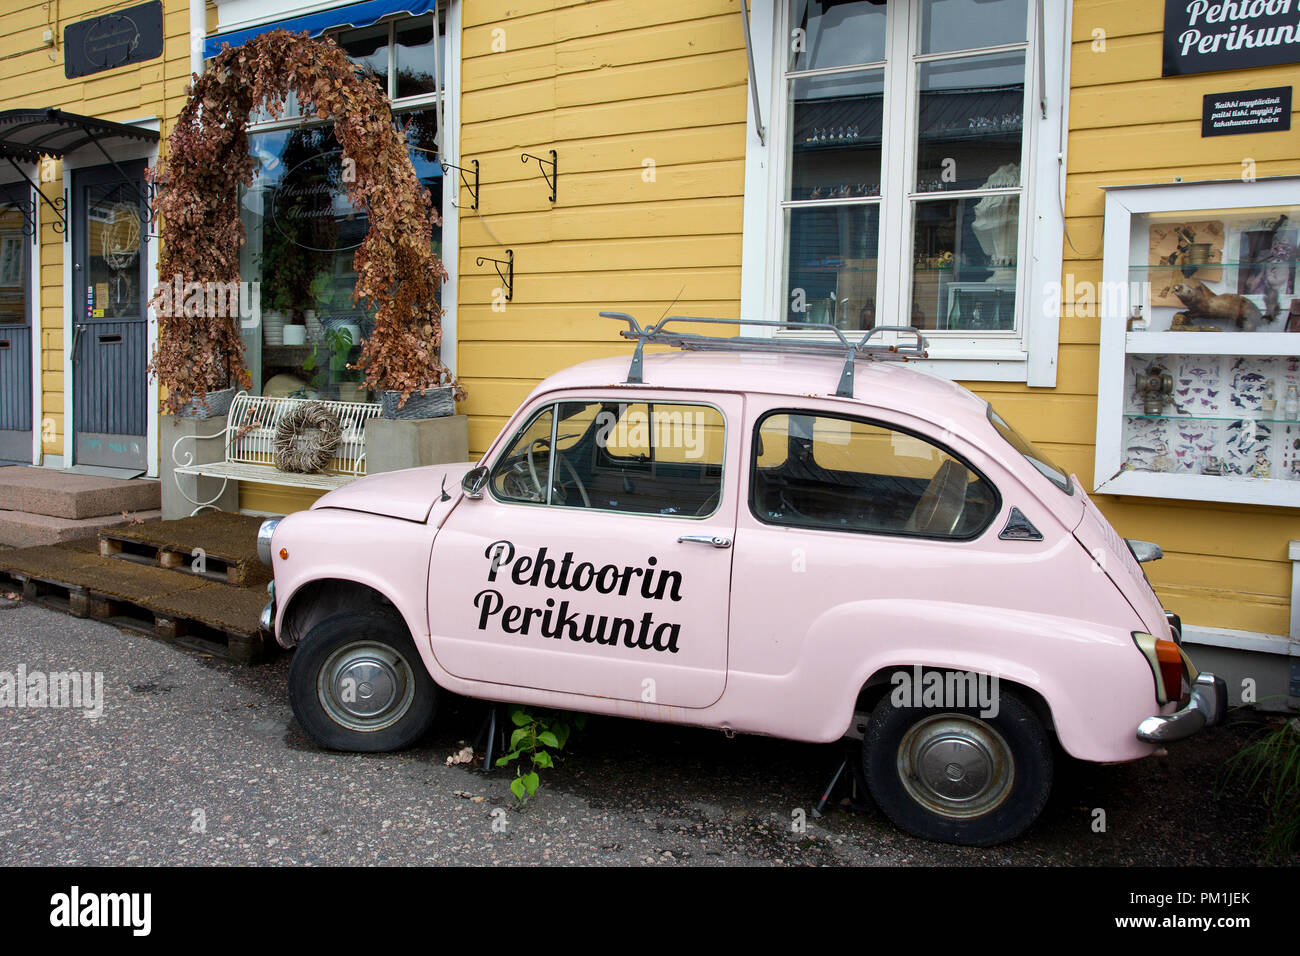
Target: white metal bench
[249, 453]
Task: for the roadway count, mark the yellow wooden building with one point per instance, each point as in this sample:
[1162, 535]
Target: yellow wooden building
[1025, 181]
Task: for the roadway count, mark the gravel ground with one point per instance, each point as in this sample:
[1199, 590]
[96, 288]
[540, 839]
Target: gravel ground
[186, 740]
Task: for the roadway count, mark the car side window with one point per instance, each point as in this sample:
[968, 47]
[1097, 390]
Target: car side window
[661, 458]
[823, 471]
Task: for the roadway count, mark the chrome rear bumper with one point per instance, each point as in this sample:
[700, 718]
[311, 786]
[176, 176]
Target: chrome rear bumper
[1208, 704]
[267, 619]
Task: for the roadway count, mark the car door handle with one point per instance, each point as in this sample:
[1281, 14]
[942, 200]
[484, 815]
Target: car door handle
[717, 540]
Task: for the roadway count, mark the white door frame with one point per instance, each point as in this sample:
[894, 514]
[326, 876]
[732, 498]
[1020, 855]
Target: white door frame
[85, 158]
[32, 171]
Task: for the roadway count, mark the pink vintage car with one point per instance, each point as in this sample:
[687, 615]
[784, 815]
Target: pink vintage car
[804, 538]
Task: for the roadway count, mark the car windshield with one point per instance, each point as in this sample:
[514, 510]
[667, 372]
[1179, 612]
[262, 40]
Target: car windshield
[1053, 472]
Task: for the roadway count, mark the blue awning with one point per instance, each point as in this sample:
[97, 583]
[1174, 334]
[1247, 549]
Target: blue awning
[352, 15]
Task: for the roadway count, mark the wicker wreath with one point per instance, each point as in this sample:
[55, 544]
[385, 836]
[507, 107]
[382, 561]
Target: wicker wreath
[306, 438]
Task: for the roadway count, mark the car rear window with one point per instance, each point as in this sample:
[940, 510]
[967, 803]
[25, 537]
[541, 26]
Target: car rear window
[1048, 468]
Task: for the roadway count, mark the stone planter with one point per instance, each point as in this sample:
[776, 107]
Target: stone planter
[212, 405]
[395, 444]
[205, 443]
[434, 403]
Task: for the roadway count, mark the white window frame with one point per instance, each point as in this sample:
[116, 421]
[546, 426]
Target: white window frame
[1027, 355]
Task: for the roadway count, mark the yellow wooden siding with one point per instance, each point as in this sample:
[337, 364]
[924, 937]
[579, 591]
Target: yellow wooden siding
[609, 85]
[31, 76]
[275, 499]
[1225, 566]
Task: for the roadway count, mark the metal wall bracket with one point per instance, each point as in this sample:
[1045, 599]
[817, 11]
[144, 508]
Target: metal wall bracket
[28, 209]
[553, 162]
[464, 180]
[507, 277]
[59, 205]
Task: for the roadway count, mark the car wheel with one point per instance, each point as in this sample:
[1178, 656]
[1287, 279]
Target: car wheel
[950, 774]
[357, 683]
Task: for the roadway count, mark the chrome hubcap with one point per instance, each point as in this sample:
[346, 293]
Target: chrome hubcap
[955, 765]
[366, 686]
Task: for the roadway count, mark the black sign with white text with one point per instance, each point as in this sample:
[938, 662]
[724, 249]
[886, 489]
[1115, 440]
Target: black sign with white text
[111, 40]
[1206, 36]
[1246, 111]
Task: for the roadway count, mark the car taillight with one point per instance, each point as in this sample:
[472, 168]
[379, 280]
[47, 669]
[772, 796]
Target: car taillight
[1166, 662]
[1171, 668]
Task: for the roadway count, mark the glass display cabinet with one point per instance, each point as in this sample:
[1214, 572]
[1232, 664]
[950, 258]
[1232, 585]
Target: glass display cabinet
[1199, 388]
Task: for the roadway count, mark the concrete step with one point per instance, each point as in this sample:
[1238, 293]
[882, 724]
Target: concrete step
[21, 529]
[61, 494]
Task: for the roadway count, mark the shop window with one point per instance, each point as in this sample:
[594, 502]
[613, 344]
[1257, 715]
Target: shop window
[302, 232]
[398, 53]
[904, 156]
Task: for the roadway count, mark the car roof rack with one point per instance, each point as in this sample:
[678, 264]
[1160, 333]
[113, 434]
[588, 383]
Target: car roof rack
[657, 334]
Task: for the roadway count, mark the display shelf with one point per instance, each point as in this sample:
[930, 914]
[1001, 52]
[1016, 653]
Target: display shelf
[1214, 440]
[1212, 343]
[1213, 418]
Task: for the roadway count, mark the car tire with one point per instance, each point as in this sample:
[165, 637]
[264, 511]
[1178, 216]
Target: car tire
[357, 683]
[949, 774]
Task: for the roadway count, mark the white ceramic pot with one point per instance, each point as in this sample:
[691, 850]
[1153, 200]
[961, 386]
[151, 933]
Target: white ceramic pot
[273, 328]
[353, 329]
[295, 335]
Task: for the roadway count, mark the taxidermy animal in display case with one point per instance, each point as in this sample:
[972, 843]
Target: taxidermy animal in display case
[1203, 303]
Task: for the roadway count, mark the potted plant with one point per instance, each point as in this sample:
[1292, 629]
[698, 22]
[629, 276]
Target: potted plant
[338, 340]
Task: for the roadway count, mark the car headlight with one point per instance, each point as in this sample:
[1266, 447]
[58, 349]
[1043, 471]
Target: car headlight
[264, 539]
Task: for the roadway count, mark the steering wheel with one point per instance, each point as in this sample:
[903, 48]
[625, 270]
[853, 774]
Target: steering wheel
[564, 463]
[940, 507]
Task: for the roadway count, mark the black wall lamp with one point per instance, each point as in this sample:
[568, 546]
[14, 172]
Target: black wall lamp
[553, 162]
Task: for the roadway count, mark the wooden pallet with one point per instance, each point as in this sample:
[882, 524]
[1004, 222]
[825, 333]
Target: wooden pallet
[236, 645]
[214, 567]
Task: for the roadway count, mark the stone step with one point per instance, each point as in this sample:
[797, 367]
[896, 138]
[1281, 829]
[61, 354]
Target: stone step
[21, 529]
[62, 494]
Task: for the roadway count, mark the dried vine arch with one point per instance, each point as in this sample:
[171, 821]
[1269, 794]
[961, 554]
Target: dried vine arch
[398, 275]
